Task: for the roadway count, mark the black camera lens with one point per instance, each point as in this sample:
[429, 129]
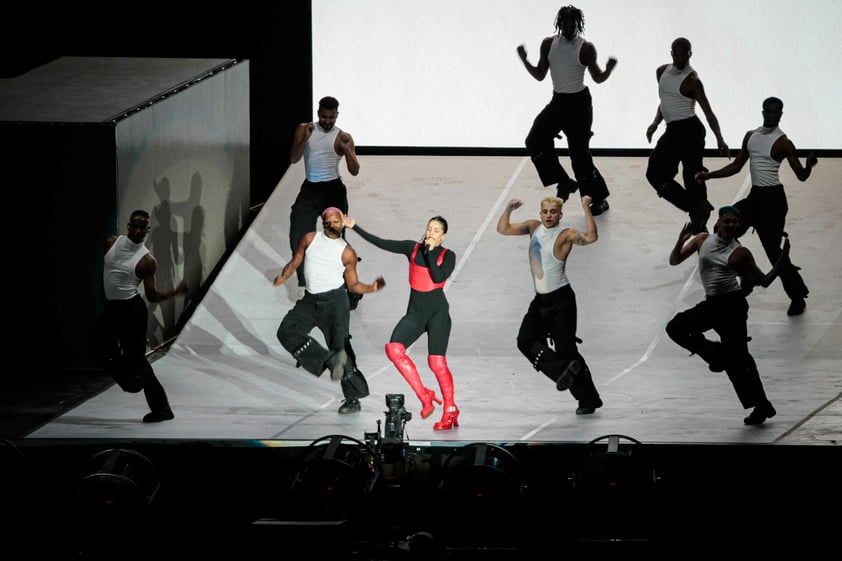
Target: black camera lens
[394, 401]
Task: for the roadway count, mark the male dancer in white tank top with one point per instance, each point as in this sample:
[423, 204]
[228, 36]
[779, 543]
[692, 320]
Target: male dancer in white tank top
[765, 207]
[679, 89]
[127, 264]
[553, 310]
[331, 273]
[728, 273]
[322, 145]
[565, 56]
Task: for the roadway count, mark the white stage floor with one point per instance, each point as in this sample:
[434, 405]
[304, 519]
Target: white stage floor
[228, 377]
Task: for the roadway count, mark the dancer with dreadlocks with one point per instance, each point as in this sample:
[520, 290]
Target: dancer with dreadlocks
[330, 269]
[565, 56]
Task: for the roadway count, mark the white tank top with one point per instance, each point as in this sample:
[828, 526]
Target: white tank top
[547, 271]
[119, 278]
[321, 162]
[568, 74]
[717, 277]
[763, 168]
[323, 270]
[674, 105]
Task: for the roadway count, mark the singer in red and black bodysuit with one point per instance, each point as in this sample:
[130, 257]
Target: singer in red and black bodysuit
[428, 312]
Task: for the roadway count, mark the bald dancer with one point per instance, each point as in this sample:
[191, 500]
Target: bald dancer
[683, 142]
[330, 273]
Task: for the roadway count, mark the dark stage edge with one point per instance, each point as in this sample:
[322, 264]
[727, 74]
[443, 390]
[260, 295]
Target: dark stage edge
[377, 498]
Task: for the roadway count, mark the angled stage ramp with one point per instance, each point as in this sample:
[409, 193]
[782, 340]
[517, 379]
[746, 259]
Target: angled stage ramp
[228, 377]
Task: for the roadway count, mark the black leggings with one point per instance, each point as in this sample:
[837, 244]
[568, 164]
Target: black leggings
[426, 312]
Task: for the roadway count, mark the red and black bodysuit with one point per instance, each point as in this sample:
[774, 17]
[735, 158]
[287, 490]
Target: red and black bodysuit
[428, 310]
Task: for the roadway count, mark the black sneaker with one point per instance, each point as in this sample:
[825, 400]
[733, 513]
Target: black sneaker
[586, 408]
[760, 413]
[796, 307]
[350, 406]
[564, 189]
[699, 217]
[336, 364]
[598, 207]
[568, 376]
[164, 414]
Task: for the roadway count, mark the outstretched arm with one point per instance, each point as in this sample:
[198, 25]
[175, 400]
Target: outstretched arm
[731, 168]
[394, 246]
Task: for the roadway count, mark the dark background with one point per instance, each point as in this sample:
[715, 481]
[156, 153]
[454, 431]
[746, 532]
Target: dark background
[274, 35]
[48, 314]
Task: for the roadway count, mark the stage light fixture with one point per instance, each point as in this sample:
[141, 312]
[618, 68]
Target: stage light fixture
[338, 474]
[616, 490]
[113, 498]
[615, 468]
[483, 483]
[481, 473]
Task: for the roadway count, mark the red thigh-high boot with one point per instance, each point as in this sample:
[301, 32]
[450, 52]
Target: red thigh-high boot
[397, 354]
[450, 417]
